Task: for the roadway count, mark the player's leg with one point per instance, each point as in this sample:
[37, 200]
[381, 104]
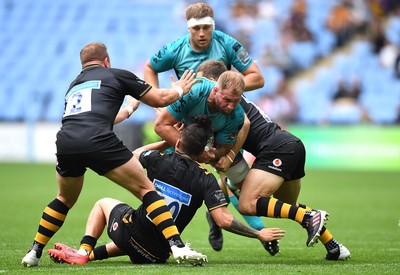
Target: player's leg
[255, 199]
[97, 220]
[54, 216]
[215, 237]
[132, 177]
[335, 250]
[235, 177]
[289, 192]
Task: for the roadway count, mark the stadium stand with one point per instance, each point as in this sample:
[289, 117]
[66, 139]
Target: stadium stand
[40, 41]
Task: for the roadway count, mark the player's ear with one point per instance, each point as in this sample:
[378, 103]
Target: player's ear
[107, 62]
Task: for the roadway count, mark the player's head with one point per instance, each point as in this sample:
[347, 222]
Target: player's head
[211, 69]
[200, 20]
[95, 53]
[227, 93]
[194, 137]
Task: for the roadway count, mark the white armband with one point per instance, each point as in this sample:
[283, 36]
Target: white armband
[179, 90]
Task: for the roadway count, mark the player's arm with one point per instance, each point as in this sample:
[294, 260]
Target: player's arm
[164, 126]
[159, 145]
[227, 159]
[221, 150]
[113, 250]
[124, 113]
[227, 221]
[150, 75]
[253, 77]
[163, 97]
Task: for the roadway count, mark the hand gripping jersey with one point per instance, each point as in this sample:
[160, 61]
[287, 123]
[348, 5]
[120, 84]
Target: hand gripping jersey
[226, 127]
[180, 56]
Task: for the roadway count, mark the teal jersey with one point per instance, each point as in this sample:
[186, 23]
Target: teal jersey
[226, 127]
[180, 56]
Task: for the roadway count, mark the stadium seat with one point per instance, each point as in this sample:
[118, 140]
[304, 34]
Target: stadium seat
[303, 54]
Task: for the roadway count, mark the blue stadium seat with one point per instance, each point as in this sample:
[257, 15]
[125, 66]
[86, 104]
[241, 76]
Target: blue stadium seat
[313, 104]
[303, 54]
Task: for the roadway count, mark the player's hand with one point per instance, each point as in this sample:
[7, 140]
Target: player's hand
[207, 156]
[185, 82]
[179, 126]
[223, 164]
[271, 234]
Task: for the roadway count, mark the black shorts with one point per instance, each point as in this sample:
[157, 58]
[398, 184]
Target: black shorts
[101, 162]
[286, 161]
[132, 240]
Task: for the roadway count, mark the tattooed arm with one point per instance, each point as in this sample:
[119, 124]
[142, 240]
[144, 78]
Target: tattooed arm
[225, 220]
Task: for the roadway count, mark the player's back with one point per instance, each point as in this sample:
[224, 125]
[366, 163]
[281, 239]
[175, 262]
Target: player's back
[182, 182]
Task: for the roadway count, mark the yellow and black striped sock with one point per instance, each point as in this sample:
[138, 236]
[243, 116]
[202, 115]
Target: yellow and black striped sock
[159, 213]
[325, 236]
[52, 219]
[99, 253]
[271, 207]
[88, 243]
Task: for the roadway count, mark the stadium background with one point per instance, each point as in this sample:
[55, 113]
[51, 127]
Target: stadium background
[304, 62]
[358, 158]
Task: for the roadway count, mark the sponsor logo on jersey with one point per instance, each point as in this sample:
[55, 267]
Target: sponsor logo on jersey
[115, 226]
[277, 162]
[172, 192]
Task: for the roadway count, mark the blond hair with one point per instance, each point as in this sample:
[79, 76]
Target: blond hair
[199, 10]
[233, 81]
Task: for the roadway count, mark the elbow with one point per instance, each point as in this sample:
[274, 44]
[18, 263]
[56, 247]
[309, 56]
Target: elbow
[157, 128]
[224, 224]
[223, 221]
[261, 82]
[163, 102]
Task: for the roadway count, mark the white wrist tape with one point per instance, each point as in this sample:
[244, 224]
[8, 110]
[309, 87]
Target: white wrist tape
[230, 159]
[129, 108]
[179, 90]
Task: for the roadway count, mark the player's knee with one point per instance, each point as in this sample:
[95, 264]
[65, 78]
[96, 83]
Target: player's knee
[246, 207]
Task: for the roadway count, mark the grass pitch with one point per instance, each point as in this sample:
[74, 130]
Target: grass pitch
[364, 215]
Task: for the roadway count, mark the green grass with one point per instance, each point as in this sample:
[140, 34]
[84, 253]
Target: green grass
[363, 207]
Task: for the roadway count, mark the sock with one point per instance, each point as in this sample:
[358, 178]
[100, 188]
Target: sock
[253, 221]
[273, 208]
[52, 219]
[332, 244]
[325, 236]
[158, 212]
[87, 245]
[99, 253]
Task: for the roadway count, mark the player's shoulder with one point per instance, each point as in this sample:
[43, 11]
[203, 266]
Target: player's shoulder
[121, 72]
[238, 113]
[202, 87]
[177, 43]
[204, 81]
[220, 34]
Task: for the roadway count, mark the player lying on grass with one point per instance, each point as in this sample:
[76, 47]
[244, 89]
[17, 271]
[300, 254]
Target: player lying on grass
[184, 186]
